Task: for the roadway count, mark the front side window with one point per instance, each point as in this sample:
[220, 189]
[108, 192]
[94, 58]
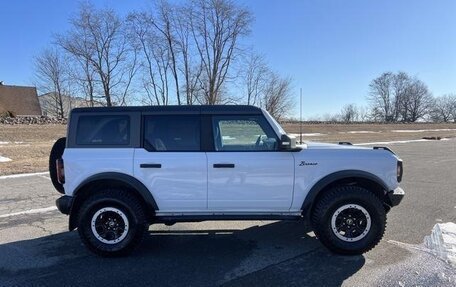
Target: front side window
[172, 133]
[103, 130]
[243, 133]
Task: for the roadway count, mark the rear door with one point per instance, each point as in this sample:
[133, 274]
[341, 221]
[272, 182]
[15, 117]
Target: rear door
[170, 162]
[247, 172]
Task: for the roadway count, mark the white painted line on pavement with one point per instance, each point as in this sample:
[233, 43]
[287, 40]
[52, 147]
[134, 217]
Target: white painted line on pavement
[45, 177]
[23, 175]
[31, 211]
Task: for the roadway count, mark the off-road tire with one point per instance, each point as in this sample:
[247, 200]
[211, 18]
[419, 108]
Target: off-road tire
[338, 197]
[56, 153]
[123, 201]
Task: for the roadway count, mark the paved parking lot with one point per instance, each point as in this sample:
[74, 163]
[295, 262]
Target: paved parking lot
[36, 248]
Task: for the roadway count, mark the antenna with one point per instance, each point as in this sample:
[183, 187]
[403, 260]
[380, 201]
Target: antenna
[300, 117]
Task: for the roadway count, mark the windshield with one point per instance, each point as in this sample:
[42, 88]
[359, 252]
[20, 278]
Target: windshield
[274, 123]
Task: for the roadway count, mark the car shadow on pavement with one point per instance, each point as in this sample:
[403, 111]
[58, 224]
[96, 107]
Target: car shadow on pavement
[273, 254]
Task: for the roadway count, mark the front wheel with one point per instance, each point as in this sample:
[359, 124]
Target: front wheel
[112, 223]
[349, 220]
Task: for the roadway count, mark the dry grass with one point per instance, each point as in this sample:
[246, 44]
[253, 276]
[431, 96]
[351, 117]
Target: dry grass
[376, 132]
[29, 145]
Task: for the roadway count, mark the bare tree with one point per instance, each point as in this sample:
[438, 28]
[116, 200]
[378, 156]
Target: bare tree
[401, 84]
[190, 70]
[163, 22]
[349, 113]
[364, 114]
[398, 97]
[83, 76]
[381, 97]
[155, 57]
[98, 37]
[51, 74]
[444, 108]
[329, 117]
[217, 26]
[193, 44]
[255, 78]
[277, 98]
[419, 101]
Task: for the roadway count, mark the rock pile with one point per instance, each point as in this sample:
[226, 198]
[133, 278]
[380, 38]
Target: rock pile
[32, 120]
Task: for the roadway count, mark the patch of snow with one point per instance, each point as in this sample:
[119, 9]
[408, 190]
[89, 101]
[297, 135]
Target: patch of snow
[22, 175]
[394, 142]
[442, 241]
[309, 134]
[422, 131]
[360, 132]
[4, 142]
[4, 159]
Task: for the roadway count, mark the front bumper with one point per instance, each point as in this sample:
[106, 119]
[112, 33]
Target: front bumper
[395, 197]
[64, 204]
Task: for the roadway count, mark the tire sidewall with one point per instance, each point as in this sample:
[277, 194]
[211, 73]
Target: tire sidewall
[96, 245]
[56, 153]
[337, 197]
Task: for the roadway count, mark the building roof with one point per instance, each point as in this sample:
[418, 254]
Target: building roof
[196, 109]
[19, 100]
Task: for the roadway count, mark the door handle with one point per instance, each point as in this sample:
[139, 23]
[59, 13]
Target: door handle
[150, 165]
[223, 165]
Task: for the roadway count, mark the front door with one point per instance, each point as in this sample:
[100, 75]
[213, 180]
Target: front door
[171, 163]
[247, 172]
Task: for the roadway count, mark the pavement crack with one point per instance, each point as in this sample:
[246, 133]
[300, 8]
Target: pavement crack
[42, 228]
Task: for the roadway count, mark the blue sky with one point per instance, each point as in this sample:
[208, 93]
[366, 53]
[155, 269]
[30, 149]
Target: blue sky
[331, 49]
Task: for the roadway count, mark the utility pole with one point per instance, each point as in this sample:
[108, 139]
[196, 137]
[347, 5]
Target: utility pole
[300, 117]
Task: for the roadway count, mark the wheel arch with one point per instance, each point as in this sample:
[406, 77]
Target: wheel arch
[347, 177]
[111, 180]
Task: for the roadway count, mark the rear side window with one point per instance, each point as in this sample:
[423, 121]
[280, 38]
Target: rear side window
[172, 133]
[103, 130]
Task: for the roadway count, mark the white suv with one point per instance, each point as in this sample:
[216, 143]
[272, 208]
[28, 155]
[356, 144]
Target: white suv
[124, 168]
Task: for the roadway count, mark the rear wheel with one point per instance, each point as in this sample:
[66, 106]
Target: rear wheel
[112, 223]
[349, 220]
[56, 153]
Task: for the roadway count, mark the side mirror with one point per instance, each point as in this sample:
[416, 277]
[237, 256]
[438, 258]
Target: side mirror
[287, 143]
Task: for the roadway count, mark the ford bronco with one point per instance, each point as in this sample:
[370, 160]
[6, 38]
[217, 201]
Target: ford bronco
[122, 169]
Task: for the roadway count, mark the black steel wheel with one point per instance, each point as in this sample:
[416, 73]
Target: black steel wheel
[349, 219]
[112, 222]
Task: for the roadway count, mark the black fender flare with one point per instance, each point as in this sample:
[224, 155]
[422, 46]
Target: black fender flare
[334, 177]
[125, 179]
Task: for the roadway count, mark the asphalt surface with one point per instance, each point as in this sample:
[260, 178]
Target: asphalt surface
[37, 250]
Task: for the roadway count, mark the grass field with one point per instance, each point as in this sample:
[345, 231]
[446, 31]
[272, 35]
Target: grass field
[363, 133]
[28, 146]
